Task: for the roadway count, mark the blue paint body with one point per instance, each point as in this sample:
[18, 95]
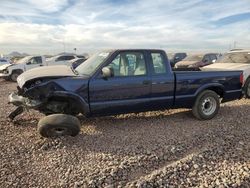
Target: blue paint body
[97, 96]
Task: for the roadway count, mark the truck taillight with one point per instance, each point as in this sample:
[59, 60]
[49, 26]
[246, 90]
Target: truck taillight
[241, 78]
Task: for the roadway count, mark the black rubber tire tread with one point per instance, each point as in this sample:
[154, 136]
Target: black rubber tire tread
[245, 88]
[54, 121]
[197, 112]
[17, 72]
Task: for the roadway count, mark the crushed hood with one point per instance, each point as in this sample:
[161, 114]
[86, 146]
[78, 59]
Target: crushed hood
[47, 71]
[2, 67]
[226, 66]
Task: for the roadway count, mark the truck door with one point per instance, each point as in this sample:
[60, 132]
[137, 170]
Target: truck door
[128, 90]
[34, 62]
[162, 93]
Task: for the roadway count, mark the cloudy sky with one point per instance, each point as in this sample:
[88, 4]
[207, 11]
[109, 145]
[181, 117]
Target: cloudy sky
[49, 26]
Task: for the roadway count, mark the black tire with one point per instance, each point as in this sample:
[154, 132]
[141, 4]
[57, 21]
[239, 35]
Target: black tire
[14, 75]
[59, 125]
[207, 105]
[6, 78]
[247, 88]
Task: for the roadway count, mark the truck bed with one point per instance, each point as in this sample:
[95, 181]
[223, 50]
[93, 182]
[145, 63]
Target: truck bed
[189, 83]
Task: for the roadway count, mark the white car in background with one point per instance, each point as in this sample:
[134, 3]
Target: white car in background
[12, 71]
[234, 60]
[62, 59]
[4, 61]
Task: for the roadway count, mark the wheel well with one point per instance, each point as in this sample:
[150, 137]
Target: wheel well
[248, 78]
[69, 103]
[19, 71]
[217, 90]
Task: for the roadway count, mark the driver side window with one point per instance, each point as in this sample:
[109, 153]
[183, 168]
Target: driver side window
[128, 64]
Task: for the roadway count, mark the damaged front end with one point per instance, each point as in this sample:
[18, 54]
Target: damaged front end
[22, 103]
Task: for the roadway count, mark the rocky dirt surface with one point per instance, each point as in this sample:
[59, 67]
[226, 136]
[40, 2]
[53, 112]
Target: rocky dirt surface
[153, 149]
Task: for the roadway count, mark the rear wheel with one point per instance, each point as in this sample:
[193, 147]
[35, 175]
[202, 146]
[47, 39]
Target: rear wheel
[57, 125]
[247, 88]
[207, 105]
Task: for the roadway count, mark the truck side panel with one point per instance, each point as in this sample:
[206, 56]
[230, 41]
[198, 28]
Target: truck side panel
[190, 84]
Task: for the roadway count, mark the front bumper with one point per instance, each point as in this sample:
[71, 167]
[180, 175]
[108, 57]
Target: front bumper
[2, 75]
[21, 103]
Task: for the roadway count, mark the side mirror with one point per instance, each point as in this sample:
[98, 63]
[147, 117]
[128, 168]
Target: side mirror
[106, 72]
[28, 63]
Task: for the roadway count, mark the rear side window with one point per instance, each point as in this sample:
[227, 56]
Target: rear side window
[158, 63]
[36, 60]
[65, 58]
[213, 57]
[69, 57]
[206, 59]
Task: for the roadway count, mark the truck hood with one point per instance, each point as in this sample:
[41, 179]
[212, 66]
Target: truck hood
[226, 66]
[186, 63]
[42, 72]
[2, 67]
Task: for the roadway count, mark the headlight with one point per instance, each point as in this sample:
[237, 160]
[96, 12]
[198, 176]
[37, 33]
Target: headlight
[20, 81]
[5, 71]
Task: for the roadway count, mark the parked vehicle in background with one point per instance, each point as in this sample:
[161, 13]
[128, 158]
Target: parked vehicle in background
[4, 61]
[176, 58]
[196, 61]
[12, 71]
[116, 82]
[62, 59]
[76, 62]
[234, 60]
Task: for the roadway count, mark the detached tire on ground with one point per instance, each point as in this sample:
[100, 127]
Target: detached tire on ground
[207, 105]
[56, 125]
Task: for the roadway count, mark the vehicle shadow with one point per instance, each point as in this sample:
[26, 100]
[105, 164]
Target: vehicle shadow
[146, 129]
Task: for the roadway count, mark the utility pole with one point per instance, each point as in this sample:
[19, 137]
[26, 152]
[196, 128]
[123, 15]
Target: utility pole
[75, 50]
[235, 44]
[63, 45]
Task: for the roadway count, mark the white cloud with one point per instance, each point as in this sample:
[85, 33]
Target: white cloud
[42, 26]
[48, 5]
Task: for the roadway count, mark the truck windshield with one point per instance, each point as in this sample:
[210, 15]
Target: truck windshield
[23, 60]
[90, 65]
[241, 57]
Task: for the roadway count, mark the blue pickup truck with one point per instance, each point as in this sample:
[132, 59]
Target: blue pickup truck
[120, 81]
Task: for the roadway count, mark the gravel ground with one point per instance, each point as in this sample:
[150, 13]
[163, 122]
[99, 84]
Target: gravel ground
[153, 149]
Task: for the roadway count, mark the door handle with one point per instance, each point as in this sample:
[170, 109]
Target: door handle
[146, 82]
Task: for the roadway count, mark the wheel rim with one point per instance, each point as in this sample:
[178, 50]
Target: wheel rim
[208, 106]
[59, 131]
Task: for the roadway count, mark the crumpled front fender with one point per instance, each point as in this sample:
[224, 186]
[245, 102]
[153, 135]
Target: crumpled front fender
[18, 100]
